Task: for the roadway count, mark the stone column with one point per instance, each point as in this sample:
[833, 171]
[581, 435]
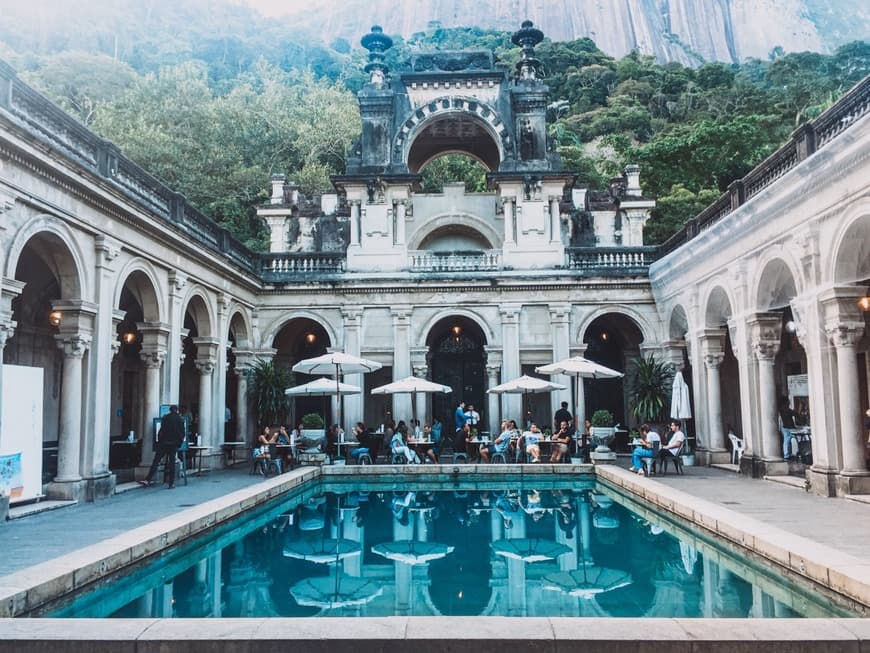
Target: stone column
[712, 352]
[510, 328]
[177, 283]
[509, 219]
[560, 321]
[400, 222]
[845, 338]
[421, 371]
[555, 231]
[401, 359]
[765, 330]
[354, 223]
[580, 417]
[73, 346]
[155, 340]
[244, 361]
[205, 367]
[492, 370]
[353, 404]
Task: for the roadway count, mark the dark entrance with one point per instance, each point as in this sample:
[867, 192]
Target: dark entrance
[457, 359]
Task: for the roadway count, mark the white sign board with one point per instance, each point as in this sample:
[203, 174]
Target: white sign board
[21, 429]
[798, 386]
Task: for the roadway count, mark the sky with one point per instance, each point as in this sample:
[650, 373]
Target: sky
[275, 7]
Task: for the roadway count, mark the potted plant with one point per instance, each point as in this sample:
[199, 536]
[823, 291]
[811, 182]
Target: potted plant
[313, 433]
[602, 429]
[266, 385]
[650, 388]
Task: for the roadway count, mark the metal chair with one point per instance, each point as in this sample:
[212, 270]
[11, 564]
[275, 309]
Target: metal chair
[399, 459]
[460, 456]
[499, 456]
[649, 464]
[364, 459]
[666, 457]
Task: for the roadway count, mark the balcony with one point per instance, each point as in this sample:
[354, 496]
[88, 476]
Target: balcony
[470, 261]
[610, 261]
[289, 266]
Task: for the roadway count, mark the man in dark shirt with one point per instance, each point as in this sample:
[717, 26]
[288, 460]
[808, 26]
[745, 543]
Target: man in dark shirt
[562, 415]
[170, 437]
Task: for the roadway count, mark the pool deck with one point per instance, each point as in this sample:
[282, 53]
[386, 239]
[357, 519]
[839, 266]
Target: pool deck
[823, 538]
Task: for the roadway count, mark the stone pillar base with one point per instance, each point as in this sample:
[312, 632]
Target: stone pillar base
[758, 467]
[603, 457]
[774, 468]
[101, 487]
[67, 490]
[707, 457]
[852, 483]
[822, 482]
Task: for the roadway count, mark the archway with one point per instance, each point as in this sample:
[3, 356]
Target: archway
[235, 415]
[197, 324]
[612, 339]
[457, 358]
[454, 129]
[722, 369]
[47, 267]
[298, 339]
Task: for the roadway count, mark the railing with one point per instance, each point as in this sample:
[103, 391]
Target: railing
[286, 266]
[426, 261]
[610, 260]
[805, 141]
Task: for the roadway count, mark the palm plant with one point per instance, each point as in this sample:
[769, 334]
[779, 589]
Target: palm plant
[650, 387]
[266, 384]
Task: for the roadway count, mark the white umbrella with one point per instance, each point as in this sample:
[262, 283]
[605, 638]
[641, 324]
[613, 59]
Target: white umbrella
[582, 368]
[336, 363]
[322, 387]
[529, 549]
[338, 590]
[681, 408]
[412, 552]
[526, 385]
[411, 385]
[587, 581]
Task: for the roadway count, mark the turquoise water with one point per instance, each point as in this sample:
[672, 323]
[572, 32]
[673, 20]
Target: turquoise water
[530, 547]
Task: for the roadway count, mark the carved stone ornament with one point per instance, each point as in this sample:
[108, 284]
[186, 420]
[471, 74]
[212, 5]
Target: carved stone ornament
[764, 349]
[205, 367]
[7, 330]
[152, 359]
[845, 335]
[420, 371]
[74, 346]
[713, 359]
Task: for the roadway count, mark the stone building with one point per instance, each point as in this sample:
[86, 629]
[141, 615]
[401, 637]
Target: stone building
[128, 298]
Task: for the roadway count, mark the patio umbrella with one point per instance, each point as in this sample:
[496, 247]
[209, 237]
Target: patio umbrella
[411, 385]
[582, 368]
[336, 363]
[529, 549]
[412, 552]
[338, 590]
[321, 551]
[681, 408]
[586, 581]
[525, 385]
[322, 387]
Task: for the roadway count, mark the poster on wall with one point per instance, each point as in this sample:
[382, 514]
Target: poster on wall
[21, 431]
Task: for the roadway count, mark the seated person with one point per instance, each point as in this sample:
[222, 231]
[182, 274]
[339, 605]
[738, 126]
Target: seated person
[435, 448]
[499, 445]
[562, 439]
[460, 442]
[262, 449]
[286, 456]
[369, 442]
[357, 434]
[399, 445]
[675, 443]
[646, 448]
[530, 442]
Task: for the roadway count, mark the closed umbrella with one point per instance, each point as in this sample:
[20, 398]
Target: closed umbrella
[337, 363]
[681, 407]
[411, 385]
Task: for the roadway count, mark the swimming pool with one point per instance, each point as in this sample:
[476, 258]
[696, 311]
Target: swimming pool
[531, 546]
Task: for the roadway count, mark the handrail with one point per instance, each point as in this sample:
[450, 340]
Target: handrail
[605, 260]
[429, 261]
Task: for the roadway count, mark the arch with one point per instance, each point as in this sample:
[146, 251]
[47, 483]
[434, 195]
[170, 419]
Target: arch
[456, 124]
[274, 328]
[200, 309]
[851, 260]
[447, 221]
[776, 285]
[240, 324]
[70, 270]
[446, 313]
[643, 325]
[719, 307]
[678, 323]
[140, 277]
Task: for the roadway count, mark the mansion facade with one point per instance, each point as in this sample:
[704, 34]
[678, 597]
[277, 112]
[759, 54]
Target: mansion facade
[127, 298]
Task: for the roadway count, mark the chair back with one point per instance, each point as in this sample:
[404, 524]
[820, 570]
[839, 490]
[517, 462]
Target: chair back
[656, 445]
[736, 448]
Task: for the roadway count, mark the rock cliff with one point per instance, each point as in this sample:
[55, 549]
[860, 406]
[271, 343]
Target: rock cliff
[672, 30]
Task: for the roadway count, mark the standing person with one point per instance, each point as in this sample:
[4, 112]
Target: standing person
[472, 417]
[645, 449]
[459, 418]
[562, 415]
[187, 418]
[170, 437]
[787, 425]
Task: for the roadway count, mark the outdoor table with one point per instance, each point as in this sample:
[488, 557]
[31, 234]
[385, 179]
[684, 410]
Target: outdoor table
[421, 446]
[230, 449]
[350, 444]
[196, 453]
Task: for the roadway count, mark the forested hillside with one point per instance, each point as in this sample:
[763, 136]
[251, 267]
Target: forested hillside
[214, 112]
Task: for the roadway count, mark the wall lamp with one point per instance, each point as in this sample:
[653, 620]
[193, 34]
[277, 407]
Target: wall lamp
[55, 318]
[864, 303]
[310, 338]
